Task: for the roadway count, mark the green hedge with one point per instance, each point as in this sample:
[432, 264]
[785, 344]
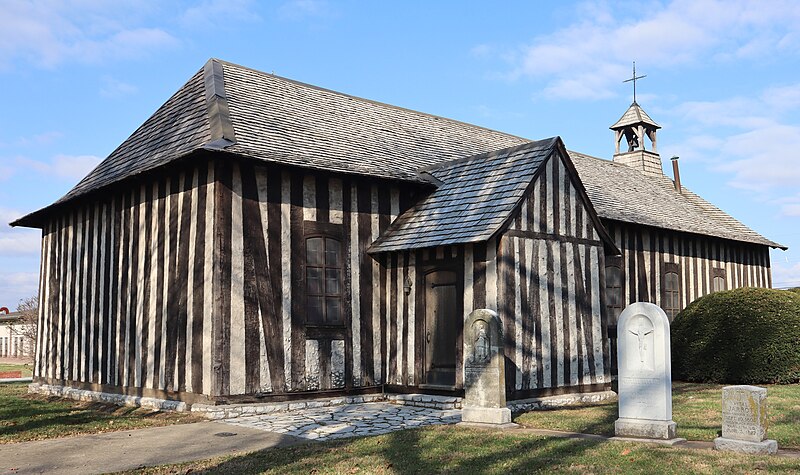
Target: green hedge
[741, 336]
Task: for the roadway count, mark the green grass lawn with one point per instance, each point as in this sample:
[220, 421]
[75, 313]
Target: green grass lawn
[33, 417]
[26, 369]
[696, 408]
[449, 449]
[444, 449]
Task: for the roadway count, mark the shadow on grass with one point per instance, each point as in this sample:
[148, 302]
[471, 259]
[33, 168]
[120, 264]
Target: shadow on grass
[23, 417]
[600, 422]
[679, 388]
[422, 451]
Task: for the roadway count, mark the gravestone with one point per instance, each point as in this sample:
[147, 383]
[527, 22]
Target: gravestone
[744, 421]
[645, 376]
[484, 371]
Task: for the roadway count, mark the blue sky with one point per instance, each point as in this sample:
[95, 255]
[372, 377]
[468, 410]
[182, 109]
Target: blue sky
[79, 76]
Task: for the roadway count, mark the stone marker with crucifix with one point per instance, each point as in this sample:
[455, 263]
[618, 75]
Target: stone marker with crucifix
[645, 378]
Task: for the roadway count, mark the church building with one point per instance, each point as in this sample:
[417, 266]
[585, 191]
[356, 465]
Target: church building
[262, 239]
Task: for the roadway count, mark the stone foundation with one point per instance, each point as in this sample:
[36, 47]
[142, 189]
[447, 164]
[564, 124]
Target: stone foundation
[554, 402]
[425, 400]
[230, 411]
[109, 398]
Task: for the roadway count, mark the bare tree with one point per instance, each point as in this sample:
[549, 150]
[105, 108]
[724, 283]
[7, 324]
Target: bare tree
[29, 322]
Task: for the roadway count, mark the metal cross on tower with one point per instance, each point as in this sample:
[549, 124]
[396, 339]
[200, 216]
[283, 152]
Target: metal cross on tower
[634, 78]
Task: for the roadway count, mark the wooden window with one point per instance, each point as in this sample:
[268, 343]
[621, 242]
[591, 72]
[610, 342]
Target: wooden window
[672, 294]
[324, 281]
[614, 303]
[718, 279]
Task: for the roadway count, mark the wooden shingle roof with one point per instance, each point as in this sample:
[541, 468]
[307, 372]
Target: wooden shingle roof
[623, 193]
[231, 108]
[474, 199]
[634, 115]
[240, 111]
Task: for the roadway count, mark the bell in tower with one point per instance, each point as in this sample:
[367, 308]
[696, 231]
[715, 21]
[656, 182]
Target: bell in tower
[634, 127]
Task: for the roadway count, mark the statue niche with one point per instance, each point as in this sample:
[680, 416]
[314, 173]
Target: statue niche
[481, 348]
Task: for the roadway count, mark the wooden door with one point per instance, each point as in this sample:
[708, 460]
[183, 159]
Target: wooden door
[442, 311]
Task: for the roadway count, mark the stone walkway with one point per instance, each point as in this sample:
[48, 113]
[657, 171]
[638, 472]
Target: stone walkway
[350, 420]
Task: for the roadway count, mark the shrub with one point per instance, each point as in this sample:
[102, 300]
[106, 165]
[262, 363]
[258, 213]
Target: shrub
[741, 336]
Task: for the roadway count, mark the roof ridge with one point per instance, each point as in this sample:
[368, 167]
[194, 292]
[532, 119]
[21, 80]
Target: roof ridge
[697, 203]
[490, 154]
[219, 117]
[371, 101]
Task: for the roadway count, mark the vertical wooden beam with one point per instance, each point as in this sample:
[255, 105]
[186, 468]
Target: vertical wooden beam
[297, 244]
[200, 276]
[221, 318]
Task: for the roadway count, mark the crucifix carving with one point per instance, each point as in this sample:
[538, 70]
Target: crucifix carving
[634, 78]
[642, 331]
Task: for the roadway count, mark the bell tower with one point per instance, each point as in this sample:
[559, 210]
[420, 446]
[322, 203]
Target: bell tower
[635, 126]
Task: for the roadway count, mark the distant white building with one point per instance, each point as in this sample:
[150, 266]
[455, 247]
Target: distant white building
[13, 343]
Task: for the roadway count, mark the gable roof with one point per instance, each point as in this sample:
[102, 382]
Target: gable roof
[623, 193]
[250, 113]
[475, 198]
[634, 115]
[230, 108]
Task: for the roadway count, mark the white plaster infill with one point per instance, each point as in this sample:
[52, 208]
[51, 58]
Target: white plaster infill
[109, 398]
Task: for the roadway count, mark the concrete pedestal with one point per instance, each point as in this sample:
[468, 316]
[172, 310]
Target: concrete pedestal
[765, 447]
[646, 429]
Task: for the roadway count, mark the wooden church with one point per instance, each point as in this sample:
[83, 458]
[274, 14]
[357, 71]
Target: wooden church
[259, 238]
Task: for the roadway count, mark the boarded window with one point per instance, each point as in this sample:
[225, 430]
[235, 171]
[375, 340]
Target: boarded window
[719, 283]
[672, 295]
[614, 303]
[323, 281]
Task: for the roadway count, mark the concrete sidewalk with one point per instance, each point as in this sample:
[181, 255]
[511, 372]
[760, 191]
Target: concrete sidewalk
[127, 450]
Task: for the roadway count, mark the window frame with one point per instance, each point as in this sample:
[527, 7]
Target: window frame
[611, 309]
[719, 273]
[311, 230]
[671, 268]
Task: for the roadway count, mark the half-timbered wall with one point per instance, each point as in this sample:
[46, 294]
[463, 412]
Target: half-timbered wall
[263, 344]
[125, 290]
[476, 268]
[543, 276]
[649, 253]
[550, 297]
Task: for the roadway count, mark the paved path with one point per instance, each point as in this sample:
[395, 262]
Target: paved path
[127, 450]
[352, 420]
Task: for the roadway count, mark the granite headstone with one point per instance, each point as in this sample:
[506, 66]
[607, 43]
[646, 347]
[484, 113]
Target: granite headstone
[744, 421]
